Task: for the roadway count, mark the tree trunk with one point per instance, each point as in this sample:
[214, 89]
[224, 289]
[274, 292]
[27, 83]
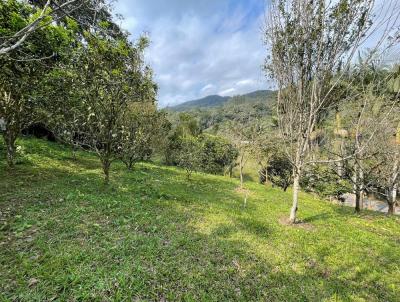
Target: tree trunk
[362, 193]
[357, 179]
[296, 187]
[266, 176]
[358, 200]
[392, 200]
[241, 171]
[129, 165]
[10, 139]
[74, 152]
[106, 170]
[390, 208]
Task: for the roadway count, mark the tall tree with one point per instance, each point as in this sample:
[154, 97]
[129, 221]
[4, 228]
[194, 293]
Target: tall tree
[310, 43]
[21, 73]
[112, 76]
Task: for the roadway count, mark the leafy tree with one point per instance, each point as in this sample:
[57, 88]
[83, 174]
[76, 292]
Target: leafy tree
[140, 131]
[20, 79]
[189, 155]
[325, 182]
[280, 172]
[88, 14]
[217, 154]
[112, 77]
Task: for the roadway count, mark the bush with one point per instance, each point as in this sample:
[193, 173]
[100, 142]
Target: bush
[325, 182]
[217, 154]
[189, 155]
[280, 171]
[204, 153]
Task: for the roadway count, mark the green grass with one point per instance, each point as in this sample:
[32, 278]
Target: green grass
[153, 236]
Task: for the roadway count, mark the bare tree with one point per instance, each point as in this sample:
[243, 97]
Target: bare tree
[311, 43]
[387, 175]
[242, 136]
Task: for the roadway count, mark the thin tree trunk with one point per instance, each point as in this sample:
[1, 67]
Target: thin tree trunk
[362, 195]
[11, 149]
[266, 176]
[106, 170]
[357, 188]
[390, 208]
[74, 152]
[296, 187]
[392, 200]
[358, 200]
[241, 171]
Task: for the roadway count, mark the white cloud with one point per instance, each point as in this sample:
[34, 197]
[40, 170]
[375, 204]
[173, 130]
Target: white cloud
[207, 88]
[245, 82]
[200, 47]
[227, 92]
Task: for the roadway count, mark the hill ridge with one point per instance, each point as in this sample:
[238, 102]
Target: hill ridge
[216, 100]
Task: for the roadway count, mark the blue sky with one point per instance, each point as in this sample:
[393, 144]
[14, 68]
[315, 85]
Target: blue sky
[200, 47]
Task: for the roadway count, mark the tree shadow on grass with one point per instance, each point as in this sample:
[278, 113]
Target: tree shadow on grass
[108, 243]
[317, 217]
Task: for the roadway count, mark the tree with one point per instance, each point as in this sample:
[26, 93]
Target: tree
[20, 79]
[310, 43]
[184, 126]
[189, 156]
[217, 154]
[88, 13]
[387, 175]
[280, 171]
[242, 136]
[113, 76]
[360, 124]
[266, 144]
[140, 130]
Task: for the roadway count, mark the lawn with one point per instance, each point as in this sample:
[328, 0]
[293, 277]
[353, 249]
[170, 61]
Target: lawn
[153, 236]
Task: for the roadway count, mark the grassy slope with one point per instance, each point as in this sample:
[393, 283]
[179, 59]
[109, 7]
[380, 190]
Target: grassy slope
[153, 236]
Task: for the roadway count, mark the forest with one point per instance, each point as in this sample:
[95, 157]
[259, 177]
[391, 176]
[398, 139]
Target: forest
[283, 194]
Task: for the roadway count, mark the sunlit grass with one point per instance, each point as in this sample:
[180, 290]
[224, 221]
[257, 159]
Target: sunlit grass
[153, 236]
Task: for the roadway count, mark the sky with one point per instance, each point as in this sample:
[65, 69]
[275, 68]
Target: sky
[200, 47]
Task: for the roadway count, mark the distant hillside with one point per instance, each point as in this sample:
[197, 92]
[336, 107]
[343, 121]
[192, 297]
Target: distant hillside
[206, 102]
[217, 100]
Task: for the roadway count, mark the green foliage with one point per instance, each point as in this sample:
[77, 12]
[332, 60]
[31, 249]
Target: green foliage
[142, 128]
[324, 181]
[280, 171]
[22, 71]
[217, 154]
[208, 153]
[238, 109]
[189, 155]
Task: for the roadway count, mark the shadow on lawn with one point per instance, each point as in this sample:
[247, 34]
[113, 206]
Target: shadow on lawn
[159, 255]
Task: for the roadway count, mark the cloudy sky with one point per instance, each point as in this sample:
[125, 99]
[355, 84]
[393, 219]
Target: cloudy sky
[200, 47]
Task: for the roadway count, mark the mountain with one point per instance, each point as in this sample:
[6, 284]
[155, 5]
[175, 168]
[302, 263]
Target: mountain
[208, 101]
[217, 100]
